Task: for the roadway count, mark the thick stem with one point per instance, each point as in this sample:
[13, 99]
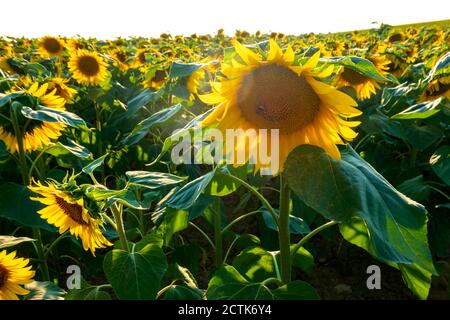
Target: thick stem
[218, 233]
[283, 232]
[117, 213]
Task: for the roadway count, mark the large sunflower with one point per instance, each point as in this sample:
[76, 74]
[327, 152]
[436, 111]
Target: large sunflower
[276, 93]
[67, 213]
[87, 67]
[50, 46]
[14, 273]
[37, 133]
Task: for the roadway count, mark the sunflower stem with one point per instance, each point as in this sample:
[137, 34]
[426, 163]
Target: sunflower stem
[41, 255]
[118, 216]
[218, 232]
[283, 232]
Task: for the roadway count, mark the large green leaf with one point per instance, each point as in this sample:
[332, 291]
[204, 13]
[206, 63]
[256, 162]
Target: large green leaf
[421, 110]
[184, 69]
[173, 221]
[296, 290]
[54, 115]
[16, 205]
[189, 193]
[256, 264]
[142, 128]
[440, 163]
[221, 184]
[415, 188]
[416, 278]
[296, 224]
[152, 180]
[59, 149]
[89, 168]
[144, 97]
[136, 274]
[340, 190]
[228, 284]
[88, 293]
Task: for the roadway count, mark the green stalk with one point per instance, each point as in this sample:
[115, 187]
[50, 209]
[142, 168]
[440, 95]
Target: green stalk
[117, 213]
[218, 232]
[283, 232]
[26, 181]
[311, 234]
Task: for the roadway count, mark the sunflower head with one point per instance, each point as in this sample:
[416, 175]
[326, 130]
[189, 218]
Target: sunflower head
[275, 92]
[155, 79]
[364, 86]
[437, 88]
[88, 67]
[14, 273]
[50, 46]
[36, 133]
[68, 209]
[62, 89]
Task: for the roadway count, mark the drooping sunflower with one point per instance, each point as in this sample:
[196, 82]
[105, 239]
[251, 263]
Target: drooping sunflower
[156, 80]
[50, 46]
[364, 86]
[62, 89]
[88, 67]
[437, 88]
[120, 57]
[67, 213]
[37, 133]
[14, 273]
[276, 93]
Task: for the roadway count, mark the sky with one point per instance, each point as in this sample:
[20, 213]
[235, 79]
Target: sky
[106, 19]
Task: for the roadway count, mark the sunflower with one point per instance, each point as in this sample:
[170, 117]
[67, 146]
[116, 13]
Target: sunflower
[437, 88]
[13, 274]
[62, 89]
[37, 133]
[5, 66]
[120, 57]
[50, 46]
[157, 80]
[275, 93]
[139, 57]
[88, 67]
[396, 36]
[364, 86]
[67, 213]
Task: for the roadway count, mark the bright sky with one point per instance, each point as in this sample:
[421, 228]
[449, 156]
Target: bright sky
[113, 18]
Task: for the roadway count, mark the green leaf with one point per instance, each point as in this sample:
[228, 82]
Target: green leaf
[54, 115]
[152, 180]
[422, 137]
[142, 128]
[189, 193]
[9, 241]
[416, 278]
[3, 151]
[144, 97]
[421, 110]
[184, 69]
[7, 98]
[221, 184]
[228, 284]
[173, 222]
[88, 293]
[58, 149]
[16, 205]
[303, 259]
[296, 290]
[440, 163]
[177, 292]
[415, 188]
[136, 274]
[296, 224]
[340, 190]
[90, 168]
[44, 291]
[362, 66]
[256, 264]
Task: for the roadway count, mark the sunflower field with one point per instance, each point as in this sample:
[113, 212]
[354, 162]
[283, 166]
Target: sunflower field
[112, 185]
